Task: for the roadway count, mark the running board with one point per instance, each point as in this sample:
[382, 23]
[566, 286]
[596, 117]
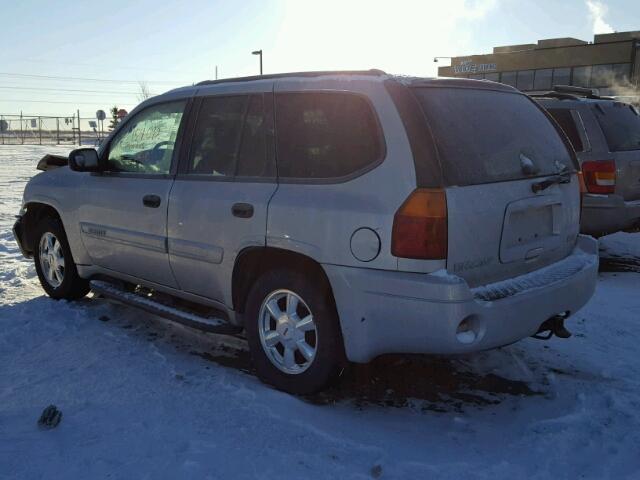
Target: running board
[207, 324]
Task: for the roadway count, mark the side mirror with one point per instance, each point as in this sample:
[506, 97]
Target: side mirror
[84, 160]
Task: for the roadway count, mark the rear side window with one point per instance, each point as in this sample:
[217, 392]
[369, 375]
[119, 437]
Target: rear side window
[620, 124]
[324, 135]
[229, 138]
[566, 118]
[486, 136]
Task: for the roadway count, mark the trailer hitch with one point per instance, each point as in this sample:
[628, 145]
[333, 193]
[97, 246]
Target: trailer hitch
[553, 326]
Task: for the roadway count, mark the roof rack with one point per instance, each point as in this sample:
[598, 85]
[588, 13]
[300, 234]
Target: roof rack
[372, 72]
[558, 95]
[570, 92]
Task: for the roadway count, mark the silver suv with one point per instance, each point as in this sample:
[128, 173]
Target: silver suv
[331, 216]
[605, 134]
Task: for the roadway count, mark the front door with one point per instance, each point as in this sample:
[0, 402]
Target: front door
[123, 218]
[218, 204]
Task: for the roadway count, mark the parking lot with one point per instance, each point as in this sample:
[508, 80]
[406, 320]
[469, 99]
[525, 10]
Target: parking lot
[143, 398]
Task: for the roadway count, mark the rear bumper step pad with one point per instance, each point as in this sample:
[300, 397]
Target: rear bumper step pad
[548, 275]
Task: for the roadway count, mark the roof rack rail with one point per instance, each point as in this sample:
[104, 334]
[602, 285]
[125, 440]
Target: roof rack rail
[578, 91]
[570, 92]
[372, 72]
[558, 95]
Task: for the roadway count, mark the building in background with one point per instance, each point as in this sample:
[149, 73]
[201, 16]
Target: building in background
[611, 64]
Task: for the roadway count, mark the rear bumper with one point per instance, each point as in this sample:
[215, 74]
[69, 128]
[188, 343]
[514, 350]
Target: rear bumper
[602, 214]
[396, 312]
[18, 233]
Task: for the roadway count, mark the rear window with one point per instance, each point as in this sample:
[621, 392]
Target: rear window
[566, 120]
[620, 124]
[486, 136]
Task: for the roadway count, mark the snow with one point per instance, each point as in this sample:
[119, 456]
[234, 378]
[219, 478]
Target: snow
[144, 398]
[556, 272]
[621, 244]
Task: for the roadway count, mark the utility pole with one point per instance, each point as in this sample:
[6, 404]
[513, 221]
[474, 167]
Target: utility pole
[79, 130]
[258, 52]
[216, 72]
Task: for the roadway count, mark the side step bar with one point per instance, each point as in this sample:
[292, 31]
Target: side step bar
[207, 324]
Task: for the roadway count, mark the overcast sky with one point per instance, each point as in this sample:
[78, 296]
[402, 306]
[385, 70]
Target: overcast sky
[171, 43]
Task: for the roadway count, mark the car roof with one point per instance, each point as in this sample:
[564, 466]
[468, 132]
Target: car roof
[373, 74]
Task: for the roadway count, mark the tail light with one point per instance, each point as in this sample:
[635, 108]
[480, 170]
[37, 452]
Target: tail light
[599, 176]
[420, 226]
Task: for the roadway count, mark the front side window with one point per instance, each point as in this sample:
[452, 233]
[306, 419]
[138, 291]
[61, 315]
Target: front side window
[229, 138]
[147, 141]
[325, 135]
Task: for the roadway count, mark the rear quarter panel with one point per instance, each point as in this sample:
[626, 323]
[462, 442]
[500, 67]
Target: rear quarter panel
[319, 218]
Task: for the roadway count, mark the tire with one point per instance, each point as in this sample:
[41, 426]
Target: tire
[307, 376]
[66, 283]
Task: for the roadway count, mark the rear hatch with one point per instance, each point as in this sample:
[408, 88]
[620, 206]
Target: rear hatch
[494, 145]
[620, 124]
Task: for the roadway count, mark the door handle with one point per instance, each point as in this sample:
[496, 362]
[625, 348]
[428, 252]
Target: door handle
[151, 201]
[242, 210]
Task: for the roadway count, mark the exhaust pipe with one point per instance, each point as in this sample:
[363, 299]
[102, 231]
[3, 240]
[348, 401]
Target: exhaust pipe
[553, 326]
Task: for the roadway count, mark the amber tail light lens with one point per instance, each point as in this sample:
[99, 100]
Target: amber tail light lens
[420, 226]
[599, 176]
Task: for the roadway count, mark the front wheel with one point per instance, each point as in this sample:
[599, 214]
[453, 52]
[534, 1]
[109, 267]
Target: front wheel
[54, 264]
[293, 332]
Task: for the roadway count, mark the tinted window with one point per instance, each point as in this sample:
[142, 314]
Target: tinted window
[325, 135]
[509, 78]
[252, 158]
[146, 142]
[567, 122]
[525, 80]
[621, 73]
[216, 137]
[620, 124]
[543, 79]
[494, 77]
[229, 138]
[485, 136]
[602, 75]
[561, 76]
[582, 76]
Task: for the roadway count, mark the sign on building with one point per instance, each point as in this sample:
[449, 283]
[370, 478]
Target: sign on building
[468, 66]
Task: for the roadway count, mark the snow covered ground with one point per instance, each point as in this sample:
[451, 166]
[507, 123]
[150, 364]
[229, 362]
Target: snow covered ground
[142, 398]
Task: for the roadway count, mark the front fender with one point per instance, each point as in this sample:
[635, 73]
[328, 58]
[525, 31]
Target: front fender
[59, 189]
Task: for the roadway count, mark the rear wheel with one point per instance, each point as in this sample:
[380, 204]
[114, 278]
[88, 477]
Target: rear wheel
[293, 332]
[54, 264]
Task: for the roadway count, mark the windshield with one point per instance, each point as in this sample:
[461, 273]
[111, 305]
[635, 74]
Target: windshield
[620, 124]
[486, 136]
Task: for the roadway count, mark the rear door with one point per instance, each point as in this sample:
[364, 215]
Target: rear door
[493, 146]
[620, 124]
[219, 200]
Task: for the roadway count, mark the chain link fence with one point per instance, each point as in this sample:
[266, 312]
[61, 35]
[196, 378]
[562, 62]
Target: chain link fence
[46, 130]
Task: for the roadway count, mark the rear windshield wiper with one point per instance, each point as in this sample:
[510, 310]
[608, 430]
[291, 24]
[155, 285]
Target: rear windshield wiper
[554, 180]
